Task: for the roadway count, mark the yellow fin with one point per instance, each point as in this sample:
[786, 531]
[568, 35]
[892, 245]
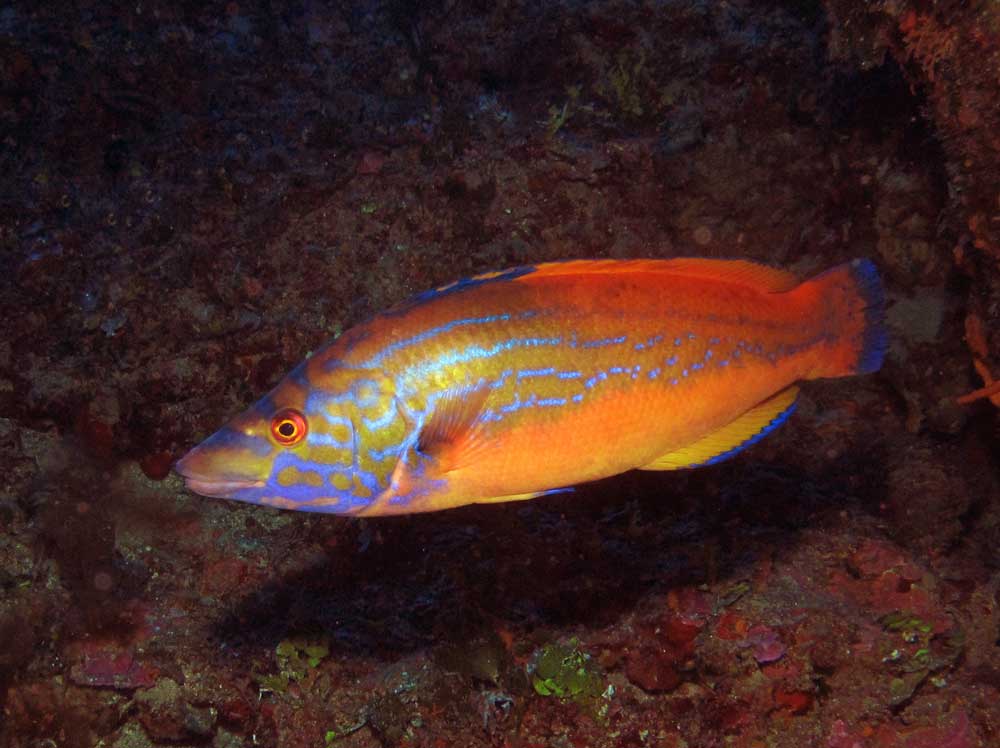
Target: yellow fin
[521, 496]
[749, 428]
[739, 272]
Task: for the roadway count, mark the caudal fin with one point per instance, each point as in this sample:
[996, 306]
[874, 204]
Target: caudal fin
[852, 303]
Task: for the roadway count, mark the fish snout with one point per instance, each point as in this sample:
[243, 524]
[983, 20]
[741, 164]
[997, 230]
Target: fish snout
[222, 466]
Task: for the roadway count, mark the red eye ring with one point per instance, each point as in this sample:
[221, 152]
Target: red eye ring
[288, 427]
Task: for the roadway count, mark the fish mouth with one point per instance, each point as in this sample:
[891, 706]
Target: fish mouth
[218, 488]
[202, 474]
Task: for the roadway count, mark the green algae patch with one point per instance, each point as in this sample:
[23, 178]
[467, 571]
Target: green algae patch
[915, 652]
[297, 659]
[564, 671]
[909, 626]
[627, 77]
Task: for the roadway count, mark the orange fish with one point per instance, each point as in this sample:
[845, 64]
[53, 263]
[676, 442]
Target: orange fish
[514, 384]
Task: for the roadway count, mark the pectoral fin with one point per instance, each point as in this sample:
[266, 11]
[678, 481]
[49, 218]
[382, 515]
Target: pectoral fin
[450, 438]
[722, 444]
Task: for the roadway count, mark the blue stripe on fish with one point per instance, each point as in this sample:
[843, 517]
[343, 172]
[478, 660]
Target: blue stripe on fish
[472, 353]
[527, 373]
[604, 342]
[399, 345]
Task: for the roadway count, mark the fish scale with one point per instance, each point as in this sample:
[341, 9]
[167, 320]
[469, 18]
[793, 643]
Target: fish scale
[519, 383]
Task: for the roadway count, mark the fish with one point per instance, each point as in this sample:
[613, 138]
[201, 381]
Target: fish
[528, 381]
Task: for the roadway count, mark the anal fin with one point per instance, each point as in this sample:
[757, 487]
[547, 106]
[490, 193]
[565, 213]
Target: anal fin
[522, 496]
[735, 436]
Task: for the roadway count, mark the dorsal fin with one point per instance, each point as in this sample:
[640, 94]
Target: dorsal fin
[748, 429]
[739, 272]
[458, 286]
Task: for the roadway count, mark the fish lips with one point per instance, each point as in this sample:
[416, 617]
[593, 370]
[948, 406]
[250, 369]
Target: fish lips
[199, 477]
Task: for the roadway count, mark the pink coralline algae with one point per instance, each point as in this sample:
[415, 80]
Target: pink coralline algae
[766, 643]
[101, 666]
[841, 738]
[657, 666]
[878, 576]
[371, 163]
[957, 734]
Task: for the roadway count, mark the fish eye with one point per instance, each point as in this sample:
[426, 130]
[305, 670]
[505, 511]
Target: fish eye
[288, 427]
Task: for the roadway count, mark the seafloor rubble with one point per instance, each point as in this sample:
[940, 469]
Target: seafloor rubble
[195, 195]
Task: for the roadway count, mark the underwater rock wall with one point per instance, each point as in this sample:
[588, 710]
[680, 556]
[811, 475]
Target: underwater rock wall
[193, 196]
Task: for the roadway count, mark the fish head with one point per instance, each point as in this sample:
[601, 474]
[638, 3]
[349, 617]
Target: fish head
[299, 447]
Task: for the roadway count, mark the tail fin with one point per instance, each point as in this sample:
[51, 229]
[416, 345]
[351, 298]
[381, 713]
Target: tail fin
[852, 304]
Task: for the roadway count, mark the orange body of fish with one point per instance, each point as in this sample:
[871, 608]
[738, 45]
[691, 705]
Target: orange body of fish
[522, 382]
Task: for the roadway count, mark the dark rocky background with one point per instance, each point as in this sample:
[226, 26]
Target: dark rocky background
[194, 195]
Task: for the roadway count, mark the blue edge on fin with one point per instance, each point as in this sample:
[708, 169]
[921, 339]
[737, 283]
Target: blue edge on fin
[775, 423]
[460, 285]
[875, 342]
